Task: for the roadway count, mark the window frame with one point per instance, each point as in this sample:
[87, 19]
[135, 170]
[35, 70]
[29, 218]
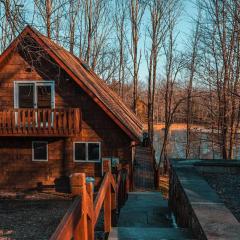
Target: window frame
[50, 83]
[39, 160]
[86, 149]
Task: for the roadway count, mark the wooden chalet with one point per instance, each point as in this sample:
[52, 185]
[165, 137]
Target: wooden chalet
[57, 117]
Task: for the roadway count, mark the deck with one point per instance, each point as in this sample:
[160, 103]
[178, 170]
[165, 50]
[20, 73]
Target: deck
[40, 122]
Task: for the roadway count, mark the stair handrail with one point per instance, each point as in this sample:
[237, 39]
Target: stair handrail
[81, 218]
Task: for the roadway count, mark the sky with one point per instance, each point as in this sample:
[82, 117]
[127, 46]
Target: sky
[183, 29]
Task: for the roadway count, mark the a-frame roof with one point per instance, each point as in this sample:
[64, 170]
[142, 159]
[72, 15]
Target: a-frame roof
[89, 81]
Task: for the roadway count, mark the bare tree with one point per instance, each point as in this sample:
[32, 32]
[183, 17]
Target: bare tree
[156, 32]
[73, 11]
[221, 23]
[47, 16]
[48, 4]
[12, 20]
[174, 64]
[192, 69]
[136, 14]
[121, 32]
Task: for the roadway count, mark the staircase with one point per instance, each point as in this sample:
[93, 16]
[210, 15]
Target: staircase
[145, 215]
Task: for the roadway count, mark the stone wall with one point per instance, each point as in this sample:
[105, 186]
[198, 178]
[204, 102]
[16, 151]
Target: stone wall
[197, 206]
[181, 207]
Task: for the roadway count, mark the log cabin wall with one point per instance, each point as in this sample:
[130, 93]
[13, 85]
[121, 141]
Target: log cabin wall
[18, 171]
[16, 152]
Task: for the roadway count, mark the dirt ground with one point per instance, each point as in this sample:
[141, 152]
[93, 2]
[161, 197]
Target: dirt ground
[35, 215]
[32, 217]
[228, 188]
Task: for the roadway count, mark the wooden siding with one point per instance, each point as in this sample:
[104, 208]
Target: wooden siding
[17, 170]
[95, 126]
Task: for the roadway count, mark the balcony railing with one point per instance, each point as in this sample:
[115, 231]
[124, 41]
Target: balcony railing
[40, 122]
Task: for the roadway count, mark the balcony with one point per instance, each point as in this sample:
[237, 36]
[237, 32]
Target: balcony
[40, 122]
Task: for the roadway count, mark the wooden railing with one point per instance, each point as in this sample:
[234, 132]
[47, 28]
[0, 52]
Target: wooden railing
[37, 122]
[81, 218]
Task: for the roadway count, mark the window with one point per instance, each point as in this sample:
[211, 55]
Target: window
[39, 151]
[80, 152]
[86, 151]
[93, 152]
[26, 96]
[34, 94]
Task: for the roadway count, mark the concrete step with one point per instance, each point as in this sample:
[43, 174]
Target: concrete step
[135, 233]
[145, 209]
[142, 200]
[145, 215]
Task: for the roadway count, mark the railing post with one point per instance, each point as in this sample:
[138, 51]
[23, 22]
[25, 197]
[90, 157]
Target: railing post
[127, 179]
[78, 187]
[113, 207]
[107, 210]
[107, 200]
[77, 120]
[78, 182]
[90, 221]
[106, 166]
[157, 178]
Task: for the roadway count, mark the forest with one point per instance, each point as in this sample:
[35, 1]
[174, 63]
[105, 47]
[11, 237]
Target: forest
[165, 75]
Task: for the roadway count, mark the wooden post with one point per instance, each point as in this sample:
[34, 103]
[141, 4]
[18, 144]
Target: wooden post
[157, 178]
[107, 200]
[77, 120]
[78, 183]
[82, 229]
[106, 165]
[90, 190]
[127, 179]
[107, 210]
[113, 207]
[131, 166]
[90, 221]
[78, 187]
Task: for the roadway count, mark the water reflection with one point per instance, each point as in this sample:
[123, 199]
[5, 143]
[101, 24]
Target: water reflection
[203, 146]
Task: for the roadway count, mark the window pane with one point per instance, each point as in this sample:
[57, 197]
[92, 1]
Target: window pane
[25, 96]
[40, 151]
[44, 97]
[80, 151]
[93, 151]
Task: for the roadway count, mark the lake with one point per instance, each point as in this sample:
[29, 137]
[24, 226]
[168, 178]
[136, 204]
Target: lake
[202, 146]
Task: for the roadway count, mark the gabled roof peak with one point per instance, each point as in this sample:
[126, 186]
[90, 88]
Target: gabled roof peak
[88, 80]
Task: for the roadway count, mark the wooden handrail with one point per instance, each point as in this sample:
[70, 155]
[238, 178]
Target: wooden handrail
[99, 200]
[111, 196]
[69, 223]
[40, 121]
